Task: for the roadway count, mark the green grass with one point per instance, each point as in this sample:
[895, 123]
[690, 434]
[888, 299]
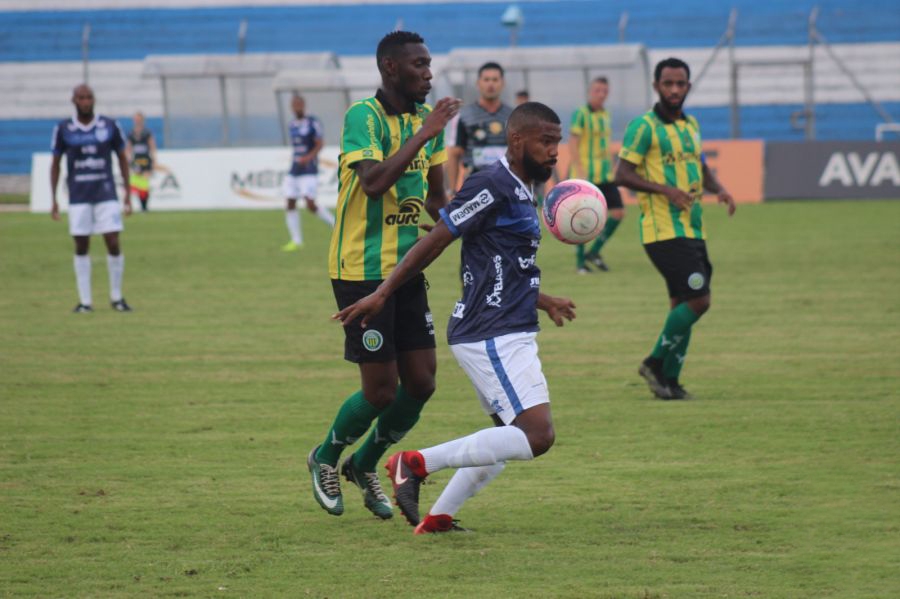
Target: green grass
[161, 453]
[14, 198]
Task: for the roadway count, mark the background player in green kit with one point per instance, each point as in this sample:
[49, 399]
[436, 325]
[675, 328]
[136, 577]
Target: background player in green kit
[589, 137]
[391, 169]
[662, 159]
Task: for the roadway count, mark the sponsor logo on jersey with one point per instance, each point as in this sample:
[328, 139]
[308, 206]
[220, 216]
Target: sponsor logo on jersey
[482, 200]
[522, 195]
[495, 299]
[467, 278]
[458, 310]
[526, 263]
[410, 209]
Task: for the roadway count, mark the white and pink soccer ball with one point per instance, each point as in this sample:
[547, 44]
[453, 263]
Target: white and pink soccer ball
[574, 211]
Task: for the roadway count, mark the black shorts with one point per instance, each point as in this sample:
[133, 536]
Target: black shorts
[612, 195]
[684, 265]
[405, 323]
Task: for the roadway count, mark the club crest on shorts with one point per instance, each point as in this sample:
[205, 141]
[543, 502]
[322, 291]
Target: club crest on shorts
[372, 340]
[696, 280]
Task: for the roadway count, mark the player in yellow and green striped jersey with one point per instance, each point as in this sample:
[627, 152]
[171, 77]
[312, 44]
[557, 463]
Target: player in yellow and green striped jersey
[390, 171]
[589, 137]
[662, 159]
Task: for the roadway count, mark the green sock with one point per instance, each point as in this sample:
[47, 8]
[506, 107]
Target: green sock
[392, 425]
[605, 234]
[579, 256]
[675, 358]
[351, 423]
[678, 325]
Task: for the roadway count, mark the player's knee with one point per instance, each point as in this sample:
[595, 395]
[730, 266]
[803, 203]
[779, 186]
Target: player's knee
[700, 305]
[541, 440]
[381, 396]
[617, 213]
[421, 389]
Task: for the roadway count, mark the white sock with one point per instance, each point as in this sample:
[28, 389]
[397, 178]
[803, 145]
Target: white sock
[116, 267]
[465, 484]
[486, 447]
[292, 218]
[83, 278]
[326, 216]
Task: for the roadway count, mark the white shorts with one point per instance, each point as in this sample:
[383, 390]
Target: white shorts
[95, 219]
[506, 373]
[299, 187]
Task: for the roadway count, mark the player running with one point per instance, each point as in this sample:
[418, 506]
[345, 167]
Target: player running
[493, 328]
[89, 142]
[662, 159]
[589, 137]
[392, 151]
[303, 179]
[140, 148]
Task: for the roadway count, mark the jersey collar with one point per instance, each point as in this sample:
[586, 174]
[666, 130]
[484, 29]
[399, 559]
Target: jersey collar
[79, 125]
[389, 108]
[663, 118]
[529, 189]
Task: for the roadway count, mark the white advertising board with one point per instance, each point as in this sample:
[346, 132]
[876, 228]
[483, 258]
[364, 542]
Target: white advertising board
[207, 179]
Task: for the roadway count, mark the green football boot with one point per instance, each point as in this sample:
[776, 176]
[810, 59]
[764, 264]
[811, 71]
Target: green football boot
[373, 496]
[326, 484]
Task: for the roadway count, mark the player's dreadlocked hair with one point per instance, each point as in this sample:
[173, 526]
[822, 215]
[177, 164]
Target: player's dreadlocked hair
[393, 41]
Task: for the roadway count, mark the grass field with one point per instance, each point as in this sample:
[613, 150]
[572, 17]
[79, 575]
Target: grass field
[162, 453]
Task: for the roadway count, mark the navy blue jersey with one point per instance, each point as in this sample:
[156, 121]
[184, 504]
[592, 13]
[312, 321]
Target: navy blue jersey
[494, 213]
[304, 134]
[141, 158]
[89, 151]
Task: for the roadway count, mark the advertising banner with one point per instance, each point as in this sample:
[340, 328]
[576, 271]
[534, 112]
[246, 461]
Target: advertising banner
[207, 179]
[832, 169]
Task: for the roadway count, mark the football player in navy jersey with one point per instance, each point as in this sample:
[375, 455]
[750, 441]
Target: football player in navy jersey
[492, 331]
[302, 181]
[89, 142]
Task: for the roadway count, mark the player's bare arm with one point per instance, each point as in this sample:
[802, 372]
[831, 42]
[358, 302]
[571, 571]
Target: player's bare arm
[454, 164]
[712, 185]
[627, 176]
[313, 152]
[377, 177]
[423, 253]
[437, 196]
[151, 143]
[575, 156]
[559, 309]
[54, 183]
[123, 167]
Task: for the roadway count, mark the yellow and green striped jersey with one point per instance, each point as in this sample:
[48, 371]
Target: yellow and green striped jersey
[667, 153]
[372, 234]
[594, 131]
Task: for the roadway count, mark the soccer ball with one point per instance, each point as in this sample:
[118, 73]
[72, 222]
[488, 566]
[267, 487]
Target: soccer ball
[574, 211]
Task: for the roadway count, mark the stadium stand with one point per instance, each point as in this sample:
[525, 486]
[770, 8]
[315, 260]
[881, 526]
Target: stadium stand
[36, 78]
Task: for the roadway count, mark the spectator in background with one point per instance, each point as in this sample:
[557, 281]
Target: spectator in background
[522, 96]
